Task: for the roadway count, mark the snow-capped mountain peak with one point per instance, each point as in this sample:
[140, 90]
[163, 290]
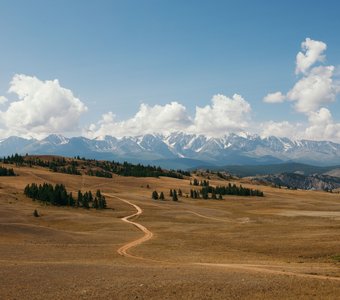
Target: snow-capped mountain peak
[233, 148]
[56, 139]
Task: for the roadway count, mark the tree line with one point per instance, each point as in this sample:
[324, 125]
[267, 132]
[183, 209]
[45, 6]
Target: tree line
[197, 194]
[71, 166]
[230, 189]
[58, 195]
[209, 192]
[16, 159]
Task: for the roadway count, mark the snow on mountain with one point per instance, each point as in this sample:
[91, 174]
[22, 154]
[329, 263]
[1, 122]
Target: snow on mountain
[241, 148]
[55, 139]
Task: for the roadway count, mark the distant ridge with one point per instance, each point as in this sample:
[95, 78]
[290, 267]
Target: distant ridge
[290, 167]
[183, 150]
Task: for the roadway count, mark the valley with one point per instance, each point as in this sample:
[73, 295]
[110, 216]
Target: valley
[283, 245]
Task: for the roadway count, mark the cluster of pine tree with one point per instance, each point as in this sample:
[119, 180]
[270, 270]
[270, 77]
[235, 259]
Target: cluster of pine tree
[58, 195]
[156, 196]
[138, 170]
[196, 194]
[231, 189]
[196, 182]
[6, 172]
[175, 194]
[99, 173]
[72, 170]
[59, 165]
[127, 169]
[87, 200]
[16, 159]
[53, 164]
[55, 195]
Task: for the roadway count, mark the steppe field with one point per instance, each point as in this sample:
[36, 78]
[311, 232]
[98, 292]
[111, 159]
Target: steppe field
[285, 245]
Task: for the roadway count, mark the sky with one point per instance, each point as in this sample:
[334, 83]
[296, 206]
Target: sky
[96, 68]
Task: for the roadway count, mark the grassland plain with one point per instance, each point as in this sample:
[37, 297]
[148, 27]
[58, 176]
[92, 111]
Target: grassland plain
[285, 245]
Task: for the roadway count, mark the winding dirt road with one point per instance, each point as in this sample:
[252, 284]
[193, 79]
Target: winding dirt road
[147, 233]
[247, 267]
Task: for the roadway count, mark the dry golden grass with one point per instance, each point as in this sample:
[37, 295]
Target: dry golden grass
[283, 246]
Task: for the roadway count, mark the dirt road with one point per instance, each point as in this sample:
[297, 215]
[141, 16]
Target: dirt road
[252, 268]
[147, 233]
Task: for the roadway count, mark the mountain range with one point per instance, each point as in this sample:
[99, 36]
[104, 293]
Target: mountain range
[181, 150]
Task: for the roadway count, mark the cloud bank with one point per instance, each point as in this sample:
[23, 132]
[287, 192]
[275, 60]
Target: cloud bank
[41, 108]
[223, 115]
[315, 88]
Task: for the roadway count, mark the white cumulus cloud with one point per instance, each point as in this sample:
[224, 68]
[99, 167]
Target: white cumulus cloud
[149, 119]
[281, 129]
[223, 115]
[316, 86]
[42, 107]
[315, 89]
[311, 53]
[277, 97]
[322, 126]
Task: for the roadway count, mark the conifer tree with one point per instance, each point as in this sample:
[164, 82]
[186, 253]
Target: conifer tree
[161, 196]
[174, 196]
[95, 203]
[154, 195]
[80, 199]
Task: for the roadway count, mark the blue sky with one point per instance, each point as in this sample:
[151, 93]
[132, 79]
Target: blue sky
[116, 55]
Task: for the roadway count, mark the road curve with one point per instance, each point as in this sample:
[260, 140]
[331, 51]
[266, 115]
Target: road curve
[147, 233]
[247, 267]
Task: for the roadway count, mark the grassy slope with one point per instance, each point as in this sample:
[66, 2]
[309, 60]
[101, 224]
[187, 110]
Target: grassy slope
[71, 253]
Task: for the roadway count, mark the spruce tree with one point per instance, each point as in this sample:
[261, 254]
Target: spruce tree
[174, 196]
[154, 195]
[80, 199]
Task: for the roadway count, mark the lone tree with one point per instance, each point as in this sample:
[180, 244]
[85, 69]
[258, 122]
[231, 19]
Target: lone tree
[161, 196]
[154, 195]
[174, 196]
